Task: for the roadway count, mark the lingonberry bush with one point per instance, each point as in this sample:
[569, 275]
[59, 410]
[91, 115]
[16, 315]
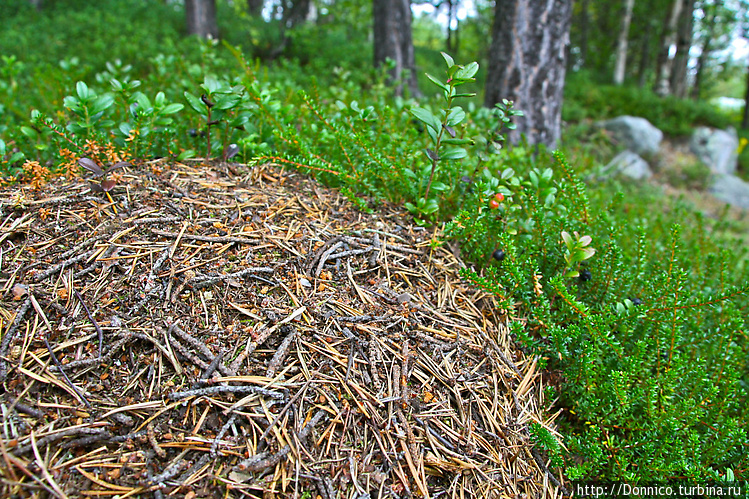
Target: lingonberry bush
[648, 335]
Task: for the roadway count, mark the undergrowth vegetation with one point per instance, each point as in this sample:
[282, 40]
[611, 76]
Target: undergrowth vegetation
[638, 302]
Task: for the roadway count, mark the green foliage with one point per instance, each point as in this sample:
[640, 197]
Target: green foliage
[586, 100]
[445, 148]
[648, 334]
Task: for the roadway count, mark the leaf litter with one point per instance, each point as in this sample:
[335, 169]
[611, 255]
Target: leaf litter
[226, 331]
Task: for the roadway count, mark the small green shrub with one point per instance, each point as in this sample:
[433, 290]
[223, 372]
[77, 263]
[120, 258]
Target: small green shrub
[675, 117]
[648, 332]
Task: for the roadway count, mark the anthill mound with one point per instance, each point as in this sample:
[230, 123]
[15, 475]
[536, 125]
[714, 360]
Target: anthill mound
[231, 332]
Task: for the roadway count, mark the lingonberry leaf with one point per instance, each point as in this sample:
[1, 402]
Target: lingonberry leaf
[91, 166]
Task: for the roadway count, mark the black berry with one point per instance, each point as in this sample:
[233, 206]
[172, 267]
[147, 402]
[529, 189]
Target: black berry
[585, 275]
[635, 301]
[499, 255]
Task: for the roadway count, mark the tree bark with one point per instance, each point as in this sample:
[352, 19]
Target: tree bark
[623, 42]
[255, 7]
[201, 18]
[527, 65]
[296, 12]
[665, 67]
[745, 119]
[584, 31]
[683, 44]
[392, 40]
[699, 72]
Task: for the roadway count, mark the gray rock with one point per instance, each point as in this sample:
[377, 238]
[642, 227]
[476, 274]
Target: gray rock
[718, 149]
[629, 164]
[637, 134]
[731, 189]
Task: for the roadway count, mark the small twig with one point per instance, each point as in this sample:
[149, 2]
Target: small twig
[214, 390]
[10, 335]
[259, 462]
[99, 332]
[204, 282]
[280, 354]
[58, 267]
[52, 353]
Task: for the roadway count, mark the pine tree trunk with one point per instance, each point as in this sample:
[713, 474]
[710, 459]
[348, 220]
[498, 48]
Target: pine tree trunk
[623, 42]
[745, 119]
[296, 13]
[527, 65]
[584, 31]
[255, 7]
[699, 71]
[392, 40]
[683, 44]
[201, 18]
[663, 79]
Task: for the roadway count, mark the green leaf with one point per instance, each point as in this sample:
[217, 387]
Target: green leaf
[467, 72]
[82, 90]
[457, 142]
[439, 186]
[585, 240]
[2, 147]
[29, 132]
[102, 103]
[454, 153]
[456, 116]
[210, 84]
[470, 94]
[187, 154]
[568, 240]
[195, 103]
[430, 207]
[73, 103]
[16, 157]
[437, 82]
[587, 253]
[449, 60]
[227, 101]
[426, 117]
[172, 108]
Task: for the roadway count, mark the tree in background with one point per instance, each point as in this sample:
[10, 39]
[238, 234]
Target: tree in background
[201, 18]
[392, 40]
[621, 46]
[255, 7]
[665, 58]
[684, 35]
[527, 64]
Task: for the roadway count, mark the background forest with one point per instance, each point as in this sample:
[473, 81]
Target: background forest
[633, 294]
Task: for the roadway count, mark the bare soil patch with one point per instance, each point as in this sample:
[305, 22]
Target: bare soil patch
[221, 331]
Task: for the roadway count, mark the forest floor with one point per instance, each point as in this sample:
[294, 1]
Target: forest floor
[225, 331]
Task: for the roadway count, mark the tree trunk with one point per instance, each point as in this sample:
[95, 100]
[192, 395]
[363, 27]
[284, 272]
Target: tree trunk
[584, 31]
[621, 46]
[255, 7]
[699, 71]
[296, 12]
[450, 8]
[527, 65]
[745, 119]
[392, 40]
[201, 18]
[683, 44]
[663, 78]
